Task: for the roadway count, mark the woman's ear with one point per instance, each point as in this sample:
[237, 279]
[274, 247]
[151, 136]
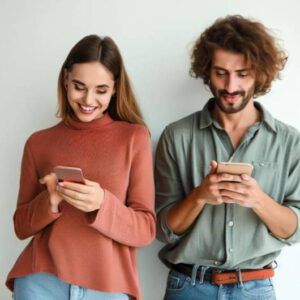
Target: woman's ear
[66, 78]
[114, 92]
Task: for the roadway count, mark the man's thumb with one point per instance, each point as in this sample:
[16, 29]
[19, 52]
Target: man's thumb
[213, 167]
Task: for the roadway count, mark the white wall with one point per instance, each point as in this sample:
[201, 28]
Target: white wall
[154, 38]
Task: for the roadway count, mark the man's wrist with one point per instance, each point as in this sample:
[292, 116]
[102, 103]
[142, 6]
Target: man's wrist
[195, 199]
[260, 203]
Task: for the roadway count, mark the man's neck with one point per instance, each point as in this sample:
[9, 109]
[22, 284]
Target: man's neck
[237, 124]
[237, 121]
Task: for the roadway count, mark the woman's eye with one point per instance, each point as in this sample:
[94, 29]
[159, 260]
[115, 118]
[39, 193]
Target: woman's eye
[101, 92]
[78, 88]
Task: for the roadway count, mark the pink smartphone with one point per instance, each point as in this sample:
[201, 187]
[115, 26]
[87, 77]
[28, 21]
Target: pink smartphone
[234, 168]
[69, 174]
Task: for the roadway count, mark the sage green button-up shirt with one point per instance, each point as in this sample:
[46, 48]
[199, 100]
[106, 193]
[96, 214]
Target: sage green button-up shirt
[225, 236]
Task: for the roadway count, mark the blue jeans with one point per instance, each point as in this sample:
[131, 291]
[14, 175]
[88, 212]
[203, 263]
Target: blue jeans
[183, 287]
[43, 286]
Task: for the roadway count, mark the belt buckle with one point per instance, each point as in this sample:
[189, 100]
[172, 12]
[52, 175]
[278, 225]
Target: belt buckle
[215, 276]
[220, 277]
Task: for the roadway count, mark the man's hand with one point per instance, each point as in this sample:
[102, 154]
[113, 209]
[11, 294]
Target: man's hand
[245, 193]
[280, 220]
[242, 190]
[211, 188]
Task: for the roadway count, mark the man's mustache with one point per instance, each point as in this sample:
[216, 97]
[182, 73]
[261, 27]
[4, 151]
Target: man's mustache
[226, 93]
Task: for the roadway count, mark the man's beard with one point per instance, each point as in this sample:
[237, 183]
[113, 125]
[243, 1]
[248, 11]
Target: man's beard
[230, 108]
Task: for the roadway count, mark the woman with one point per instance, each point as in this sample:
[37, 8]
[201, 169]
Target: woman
[85, 235]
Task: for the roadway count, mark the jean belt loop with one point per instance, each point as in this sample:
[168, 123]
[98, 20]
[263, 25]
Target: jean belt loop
[275, 263]
[194, 274]
[203, 271]
[240, 278]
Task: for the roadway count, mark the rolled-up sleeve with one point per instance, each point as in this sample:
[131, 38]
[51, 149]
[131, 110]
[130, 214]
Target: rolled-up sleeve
[168, 185]
[292, 196]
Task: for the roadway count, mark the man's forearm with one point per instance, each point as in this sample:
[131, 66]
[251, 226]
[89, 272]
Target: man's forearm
[183, 214]
[280, 220]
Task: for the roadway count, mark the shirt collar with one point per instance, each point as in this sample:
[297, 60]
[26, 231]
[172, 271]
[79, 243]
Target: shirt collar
[206, 119]
[205, 115]
[267, 118]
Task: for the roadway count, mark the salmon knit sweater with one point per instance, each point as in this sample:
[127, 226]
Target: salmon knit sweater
[94, 250]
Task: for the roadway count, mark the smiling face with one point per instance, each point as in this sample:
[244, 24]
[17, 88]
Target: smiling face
[231, 81]
[89, 87]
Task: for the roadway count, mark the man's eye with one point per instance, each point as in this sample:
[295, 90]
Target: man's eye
[243, 74]
[220, 73]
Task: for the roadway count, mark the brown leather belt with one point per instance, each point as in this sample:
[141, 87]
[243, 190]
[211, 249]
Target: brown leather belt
[219, 277]
[235, 277]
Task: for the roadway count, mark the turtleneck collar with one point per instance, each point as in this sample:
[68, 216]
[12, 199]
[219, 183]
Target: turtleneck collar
[95, 124]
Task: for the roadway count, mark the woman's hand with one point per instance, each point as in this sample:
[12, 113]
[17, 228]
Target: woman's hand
[86, 197]
[55, 198]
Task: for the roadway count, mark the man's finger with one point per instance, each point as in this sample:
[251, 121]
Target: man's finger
[232, 186]
[229, 177]
[213, 167]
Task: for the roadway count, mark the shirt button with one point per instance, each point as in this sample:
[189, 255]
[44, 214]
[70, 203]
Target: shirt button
[230, 250]
[216, 263]
[230, 223]
[261, 164]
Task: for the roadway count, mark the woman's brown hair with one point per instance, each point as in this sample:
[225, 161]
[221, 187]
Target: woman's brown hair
[123, 105]
[243, 36]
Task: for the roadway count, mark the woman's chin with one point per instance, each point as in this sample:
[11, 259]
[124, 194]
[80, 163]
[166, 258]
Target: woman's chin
[88, 117]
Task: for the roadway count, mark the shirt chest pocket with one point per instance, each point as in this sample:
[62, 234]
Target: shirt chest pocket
[266, 174]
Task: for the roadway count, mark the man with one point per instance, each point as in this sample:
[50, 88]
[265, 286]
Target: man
[224, 231]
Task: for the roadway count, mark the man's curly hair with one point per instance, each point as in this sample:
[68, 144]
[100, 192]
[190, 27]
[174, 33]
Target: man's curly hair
[243, 36]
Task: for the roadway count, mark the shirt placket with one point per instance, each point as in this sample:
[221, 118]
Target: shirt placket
[230, 212]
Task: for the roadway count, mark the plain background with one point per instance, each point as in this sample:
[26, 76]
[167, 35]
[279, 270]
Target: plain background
[155, 38]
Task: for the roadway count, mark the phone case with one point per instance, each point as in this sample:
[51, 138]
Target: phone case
[235, 168]
[69, 174]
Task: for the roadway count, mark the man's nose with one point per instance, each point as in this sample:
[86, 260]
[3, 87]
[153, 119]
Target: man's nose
[231, 84]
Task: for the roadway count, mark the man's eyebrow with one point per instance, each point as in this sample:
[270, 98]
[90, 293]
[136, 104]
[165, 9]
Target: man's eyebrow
[243, 70]
[219, 68]
[239, 70]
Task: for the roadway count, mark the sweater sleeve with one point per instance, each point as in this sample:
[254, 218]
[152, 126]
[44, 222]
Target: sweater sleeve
[133, 223]
[33, 210]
